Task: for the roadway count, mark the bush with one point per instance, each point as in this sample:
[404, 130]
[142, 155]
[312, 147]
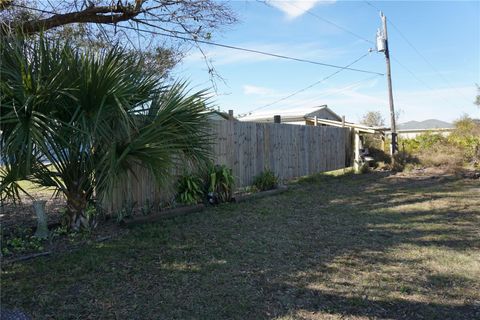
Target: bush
[401, 160]
[21, 241]
[435, 150]
[190, 189]
[373, 141]
[466, 137]
[409, 145]
[379, 155]
[267, 180]
[221, 184]
[442, 155]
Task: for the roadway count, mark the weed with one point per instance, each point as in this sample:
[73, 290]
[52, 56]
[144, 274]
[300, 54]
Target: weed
[267, 180]
[126, 211]
[147, 208]
[21, 240]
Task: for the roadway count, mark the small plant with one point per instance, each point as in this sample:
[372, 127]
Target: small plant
[91, 216]
[221, 183]
[401, 159]
[147, 208]
[363, 168]
[21, 241]
[267, 180]
[126, 211]
[190, 190]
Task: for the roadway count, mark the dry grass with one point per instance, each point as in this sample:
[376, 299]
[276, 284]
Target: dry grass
[446, 156]
[347, 247]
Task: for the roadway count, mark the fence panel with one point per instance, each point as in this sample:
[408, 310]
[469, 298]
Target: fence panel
[248, 148]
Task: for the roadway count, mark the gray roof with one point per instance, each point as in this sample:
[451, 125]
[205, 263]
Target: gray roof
[322, 113]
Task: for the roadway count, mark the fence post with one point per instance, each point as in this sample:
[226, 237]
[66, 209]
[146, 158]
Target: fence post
[230, 114]
[277, 119]
[316, 121]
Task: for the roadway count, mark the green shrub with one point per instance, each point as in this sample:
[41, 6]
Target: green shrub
[190, 189]
[221, 183]
[466, 136]
[267, 180]
[379, 155]
[21, 240]
[409, 145]
[460, 147]
[371, 141]
[402, 159]
[427, 140]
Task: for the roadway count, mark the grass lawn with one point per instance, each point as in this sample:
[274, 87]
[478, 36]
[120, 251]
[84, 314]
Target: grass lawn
[355, 247]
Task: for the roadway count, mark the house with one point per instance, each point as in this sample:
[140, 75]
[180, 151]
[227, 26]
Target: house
[321, 112]
[411, 129]
[220, 116]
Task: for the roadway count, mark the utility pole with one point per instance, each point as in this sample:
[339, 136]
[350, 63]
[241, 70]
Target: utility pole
[382, 46]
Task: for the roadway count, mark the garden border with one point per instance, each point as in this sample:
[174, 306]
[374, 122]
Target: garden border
[183, 211]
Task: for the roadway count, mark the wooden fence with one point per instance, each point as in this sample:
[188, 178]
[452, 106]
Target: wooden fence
[248, 148]
[290, 151]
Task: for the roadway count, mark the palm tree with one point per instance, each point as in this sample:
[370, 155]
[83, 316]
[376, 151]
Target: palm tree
[79, 121]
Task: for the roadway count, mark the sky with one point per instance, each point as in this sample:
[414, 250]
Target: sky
[434, 47]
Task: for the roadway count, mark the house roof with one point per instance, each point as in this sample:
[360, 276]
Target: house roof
[291, 117]
[318, 112]
[219, 115]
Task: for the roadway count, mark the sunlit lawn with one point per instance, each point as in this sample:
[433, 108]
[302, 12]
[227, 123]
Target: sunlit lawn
[355, 247]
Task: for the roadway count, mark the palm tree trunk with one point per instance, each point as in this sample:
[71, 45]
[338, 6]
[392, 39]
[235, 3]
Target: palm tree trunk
[76, 206]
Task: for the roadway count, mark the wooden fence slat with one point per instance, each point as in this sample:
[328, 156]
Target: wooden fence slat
[249, 148]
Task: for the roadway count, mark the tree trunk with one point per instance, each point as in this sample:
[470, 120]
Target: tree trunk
[76, 206]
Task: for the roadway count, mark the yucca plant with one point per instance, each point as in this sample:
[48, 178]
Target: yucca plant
[79, 121]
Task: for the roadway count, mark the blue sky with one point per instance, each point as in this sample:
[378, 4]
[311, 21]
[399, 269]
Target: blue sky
[446, 34]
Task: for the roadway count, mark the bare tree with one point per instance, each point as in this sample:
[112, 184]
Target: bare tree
[148, 26]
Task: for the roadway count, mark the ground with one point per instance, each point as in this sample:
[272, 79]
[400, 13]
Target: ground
[348, 247]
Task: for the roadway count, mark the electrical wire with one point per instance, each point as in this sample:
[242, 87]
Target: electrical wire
[313, 14]
[252, 51]
[307, 87]
[390, 22]
[334, 92]
[229, 46]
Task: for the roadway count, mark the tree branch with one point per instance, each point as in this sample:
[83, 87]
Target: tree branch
[103, 14]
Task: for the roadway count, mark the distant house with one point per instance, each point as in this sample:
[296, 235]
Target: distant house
[322, 112]
[411, 129]
[220, 116]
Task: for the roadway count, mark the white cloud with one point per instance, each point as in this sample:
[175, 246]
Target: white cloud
[295, 8]
[255, 90]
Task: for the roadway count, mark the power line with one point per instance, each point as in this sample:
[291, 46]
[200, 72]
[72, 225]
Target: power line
[371, 5]
[350, 86]
[308, 87]
[418, 53]
[230, 46]
[322, 96]
[333, 24]
[251, 50]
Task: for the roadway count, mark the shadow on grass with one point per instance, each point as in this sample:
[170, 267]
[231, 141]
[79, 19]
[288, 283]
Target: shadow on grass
[320, 248]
